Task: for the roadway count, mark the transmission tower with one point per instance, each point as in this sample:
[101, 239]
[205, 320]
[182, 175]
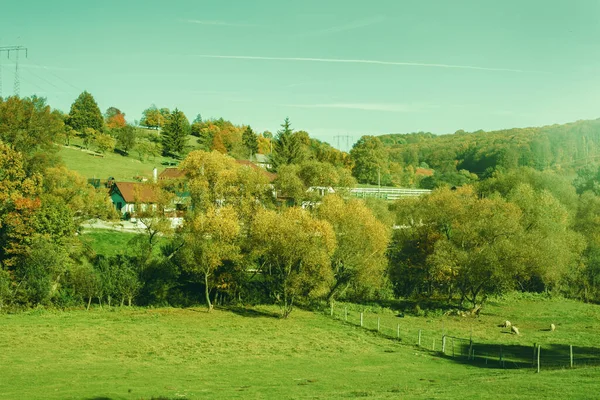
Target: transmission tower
[340, 139]
[17, 50]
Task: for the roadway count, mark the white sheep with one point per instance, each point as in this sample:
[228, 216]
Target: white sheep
[552, 327]
[514, 329]
[507, 324]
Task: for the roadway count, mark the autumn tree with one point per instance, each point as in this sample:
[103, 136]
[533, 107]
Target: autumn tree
[85, 114]
[114, 118]
[209, 239]
[30, 127]
[175, 133]
[19, 201]
[359, 260]
[294, 251]
[152, 118]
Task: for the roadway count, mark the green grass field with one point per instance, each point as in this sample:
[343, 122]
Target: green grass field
[107, 243]
[112, 164]
[247, 353]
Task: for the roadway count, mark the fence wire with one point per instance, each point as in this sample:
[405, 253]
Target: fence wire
[480, 353]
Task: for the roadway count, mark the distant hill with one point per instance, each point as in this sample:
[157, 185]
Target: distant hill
[559, 147]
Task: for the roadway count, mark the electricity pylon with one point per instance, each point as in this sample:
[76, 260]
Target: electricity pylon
[17, 50]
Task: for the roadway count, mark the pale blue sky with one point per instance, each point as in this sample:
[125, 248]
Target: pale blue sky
[335, 67]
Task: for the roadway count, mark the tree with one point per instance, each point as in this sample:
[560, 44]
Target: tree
[126, 138]
[19, 201]
[114, 118]
[210, 239]
[294, 251]
[85, 114]
[370, 160]
[175, 133]
[104, 143]
[287, 148]
[250, 141]
[215, 179]
[360, 258]
[31, 128]
[152, 118]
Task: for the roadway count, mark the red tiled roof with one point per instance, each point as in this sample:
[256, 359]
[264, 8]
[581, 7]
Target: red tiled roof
[171, 173]
[269, 175]
[424, 171]
[133, 192]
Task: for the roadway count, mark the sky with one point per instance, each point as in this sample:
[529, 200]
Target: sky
[339, 69]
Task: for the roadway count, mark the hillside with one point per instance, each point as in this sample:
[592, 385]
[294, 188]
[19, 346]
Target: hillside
[558, 147]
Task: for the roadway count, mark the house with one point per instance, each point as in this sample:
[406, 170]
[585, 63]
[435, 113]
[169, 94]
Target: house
[127, 196]
[261, 160]
[171, 173]
[269, 175]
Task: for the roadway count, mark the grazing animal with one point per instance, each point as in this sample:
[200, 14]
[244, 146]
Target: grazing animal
[514, 329]
[552, 327]
[507, 324]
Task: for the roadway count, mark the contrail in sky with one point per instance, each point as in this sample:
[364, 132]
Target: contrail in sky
[358, 61]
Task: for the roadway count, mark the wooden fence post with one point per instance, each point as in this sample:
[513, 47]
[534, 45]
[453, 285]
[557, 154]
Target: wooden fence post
[361, 319]
[444, 344]
[378, 320]
[398, 331]
[419, 338]
[571, 354]
[538, 358]
[332, 308]
[346, 314]
[452, 347]
[433, 345]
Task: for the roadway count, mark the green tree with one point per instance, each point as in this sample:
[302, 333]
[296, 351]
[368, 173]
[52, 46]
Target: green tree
[287, 148]
[370, 160]
[175, 133]
[126, 138]
[85, 114]
[104, 143]
[250, 141]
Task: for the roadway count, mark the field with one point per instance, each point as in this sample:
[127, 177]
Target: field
[112, 164]
[107, 243]
[248, 353]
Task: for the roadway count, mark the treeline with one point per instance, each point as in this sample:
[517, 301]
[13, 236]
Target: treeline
[511, 229]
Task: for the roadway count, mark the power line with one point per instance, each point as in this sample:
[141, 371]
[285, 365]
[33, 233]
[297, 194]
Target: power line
[55, 75]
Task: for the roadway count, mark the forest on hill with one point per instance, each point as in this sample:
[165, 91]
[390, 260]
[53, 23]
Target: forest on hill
[464, 157]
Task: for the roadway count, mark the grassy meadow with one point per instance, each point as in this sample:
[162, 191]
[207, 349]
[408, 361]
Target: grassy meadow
[249, 353]
[122, 168]
[106, 242]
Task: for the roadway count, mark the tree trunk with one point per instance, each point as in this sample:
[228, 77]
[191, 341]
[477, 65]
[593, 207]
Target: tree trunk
[129, 301]
[88, 304]
[207, 293]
